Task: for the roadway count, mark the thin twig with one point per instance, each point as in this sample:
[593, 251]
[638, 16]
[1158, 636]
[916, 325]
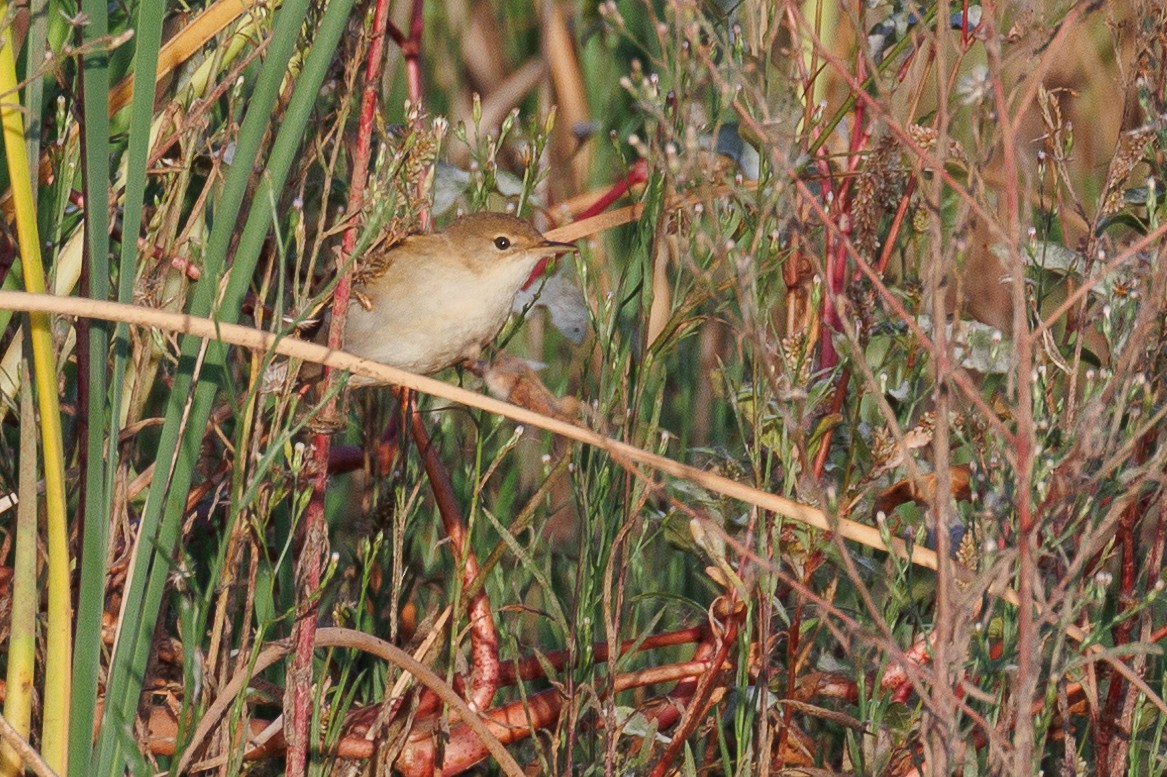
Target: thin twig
[31, 757]
[625, 454]
[315, 537]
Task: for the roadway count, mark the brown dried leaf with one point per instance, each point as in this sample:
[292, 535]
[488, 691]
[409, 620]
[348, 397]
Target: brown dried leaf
[512, 379]
[922, 490]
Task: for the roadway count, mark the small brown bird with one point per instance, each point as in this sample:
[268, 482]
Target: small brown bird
[442, 297]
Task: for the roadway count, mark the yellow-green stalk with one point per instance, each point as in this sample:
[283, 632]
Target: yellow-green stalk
[58, 647]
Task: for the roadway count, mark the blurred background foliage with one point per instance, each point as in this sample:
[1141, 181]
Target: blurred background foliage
[816, 185]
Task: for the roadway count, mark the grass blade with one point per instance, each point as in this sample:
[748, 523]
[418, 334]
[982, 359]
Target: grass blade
[58, 642]
[101, 469]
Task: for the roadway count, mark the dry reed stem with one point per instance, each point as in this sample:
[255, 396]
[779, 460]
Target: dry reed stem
[256, 339]
[348, 638]
[623, 453]
[29, 755]
[248, 337]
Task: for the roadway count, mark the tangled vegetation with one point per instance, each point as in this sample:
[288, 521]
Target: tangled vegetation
[836, 449]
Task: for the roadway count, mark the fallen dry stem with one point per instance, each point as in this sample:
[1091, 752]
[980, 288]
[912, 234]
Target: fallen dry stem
[348, 638]
[256, 339]
[627, 455]
[29, 755]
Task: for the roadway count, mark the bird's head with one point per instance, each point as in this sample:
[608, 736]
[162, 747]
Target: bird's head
[489, 239]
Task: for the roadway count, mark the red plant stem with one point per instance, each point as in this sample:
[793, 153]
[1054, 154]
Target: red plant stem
[531, 668]
[509, 723]
[515, 721]
[860, 131]
[836, 281]
[162, 725]
[1130, 563]
[1028, 649]
[1110, 716]
[484, 672]
[315, 537]
[699, 702]
[828, 317]
[897, 224]
[411, 50]
[637, 174]
[1155, 558]
[413, 60]
[836, 268]
[820, 458]
[793, 642]
[837, 243]
[970, 393]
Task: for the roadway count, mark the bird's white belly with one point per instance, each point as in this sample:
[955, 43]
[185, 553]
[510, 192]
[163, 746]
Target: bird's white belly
[428, 326]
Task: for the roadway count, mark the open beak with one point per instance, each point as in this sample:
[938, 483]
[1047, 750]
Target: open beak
[550, 248]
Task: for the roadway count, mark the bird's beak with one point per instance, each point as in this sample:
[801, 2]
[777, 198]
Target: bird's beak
[552, 247]
[547, 248]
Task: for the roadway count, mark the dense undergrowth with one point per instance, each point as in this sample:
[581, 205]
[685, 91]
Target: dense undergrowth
[776, 206]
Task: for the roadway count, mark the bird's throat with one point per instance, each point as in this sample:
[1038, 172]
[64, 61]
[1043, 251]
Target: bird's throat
[537, 272]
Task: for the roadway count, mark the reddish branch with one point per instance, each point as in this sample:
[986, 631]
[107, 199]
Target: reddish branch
[840, 393]
[315, 531]
[509, 723]
[532, 668]
[1112, 719]
[517, 720]
[897, 224]
[484, 672]
[841, 204]
[893, 233]
[411, 50]
[695, 695]
[637, 174]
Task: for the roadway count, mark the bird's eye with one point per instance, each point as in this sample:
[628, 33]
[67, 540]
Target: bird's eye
[502, 243]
